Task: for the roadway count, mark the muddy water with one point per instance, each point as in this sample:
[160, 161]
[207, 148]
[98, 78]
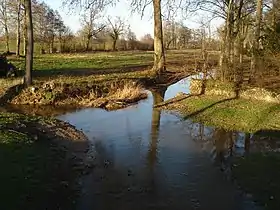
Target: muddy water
[150, 159]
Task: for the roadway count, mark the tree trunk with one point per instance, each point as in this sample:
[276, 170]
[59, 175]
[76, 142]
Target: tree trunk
[6, 29]
[60, 44]
[30, 44]
[51, 45]
[87, 43]
[114, 45]
[24, 33]
[18, 28]
[159, 56]
[7, 39]
[222, 61]
[256, 42]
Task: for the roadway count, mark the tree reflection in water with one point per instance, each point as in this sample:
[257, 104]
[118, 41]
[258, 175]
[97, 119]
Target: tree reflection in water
[158, 97]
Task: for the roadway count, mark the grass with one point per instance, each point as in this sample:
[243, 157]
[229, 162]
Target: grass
[104, 66]
[119, 94]
[258, 174]
[106, 60]
[96, 68]
[86, 60]
[29, 175]
[231, 114]
[101, 66]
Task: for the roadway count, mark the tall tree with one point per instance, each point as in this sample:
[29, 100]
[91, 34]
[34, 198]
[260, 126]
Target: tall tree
[159, 55]
[29, 43]
[117, 28]
[256, 41]
[4, 21]
[140, 5]
[90, 26]
[18, 8]
[131, 39]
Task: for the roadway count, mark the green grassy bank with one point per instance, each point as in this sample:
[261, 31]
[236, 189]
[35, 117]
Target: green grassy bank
[229, 113]
[34, 159]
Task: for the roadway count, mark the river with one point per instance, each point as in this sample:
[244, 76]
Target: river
[146, 158]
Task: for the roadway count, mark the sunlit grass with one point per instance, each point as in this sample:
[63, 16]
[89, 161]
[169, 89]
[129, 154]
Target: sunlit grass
[231, 114]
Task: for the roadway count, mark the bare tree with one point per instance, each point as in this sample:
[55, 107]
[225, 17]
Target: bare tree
[29, 43]
[117, 28]
[131, 39]
[4, 21]
[91, 28]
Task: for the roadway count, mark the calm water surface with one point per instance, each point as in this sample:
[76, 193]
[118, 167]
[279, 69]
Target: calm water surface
[150, 159]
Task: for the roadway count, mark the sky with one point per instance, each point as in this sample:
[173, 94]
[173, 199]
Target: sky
[140, 26]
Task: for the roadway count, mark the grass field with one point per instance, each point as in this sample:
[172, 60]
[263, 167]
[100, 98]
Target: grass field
[107, 60]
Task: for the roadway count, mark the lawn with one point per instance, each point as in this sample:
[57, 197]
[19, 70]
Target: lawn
[109, 60]
[87, 61]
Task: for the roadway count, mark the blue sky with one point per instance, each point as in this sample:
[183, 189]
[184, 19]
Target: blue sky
[139, 26]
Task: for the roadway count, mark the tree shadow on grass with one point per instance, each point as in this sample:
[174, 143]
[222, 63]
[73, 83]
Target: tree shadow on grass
[208, 107]
[88, 71]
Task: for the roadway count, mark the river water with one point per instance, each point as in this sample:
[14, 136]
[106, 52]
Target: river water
[146, 158]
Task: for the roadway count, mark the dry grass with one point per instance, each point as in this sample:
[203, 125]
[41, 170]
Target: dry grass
[129, 90]
[6, 83]
[116, 95]
[120, 92]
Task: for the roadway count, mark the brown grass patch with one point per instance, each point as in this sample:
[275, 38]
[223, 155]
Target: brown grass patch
[117, 94]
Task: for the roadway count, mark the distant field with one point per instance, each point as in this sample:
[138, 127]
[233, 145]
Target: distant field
[84, 61]
[106, 60]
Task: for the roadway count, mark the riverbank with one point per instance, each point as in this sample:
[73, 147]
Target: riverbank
[41, 159]
[228, 113]
[113, 95]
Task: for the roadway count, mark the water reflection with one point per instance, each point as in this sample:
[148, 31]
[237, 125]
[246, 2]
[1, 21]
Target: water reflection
[158, 97]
